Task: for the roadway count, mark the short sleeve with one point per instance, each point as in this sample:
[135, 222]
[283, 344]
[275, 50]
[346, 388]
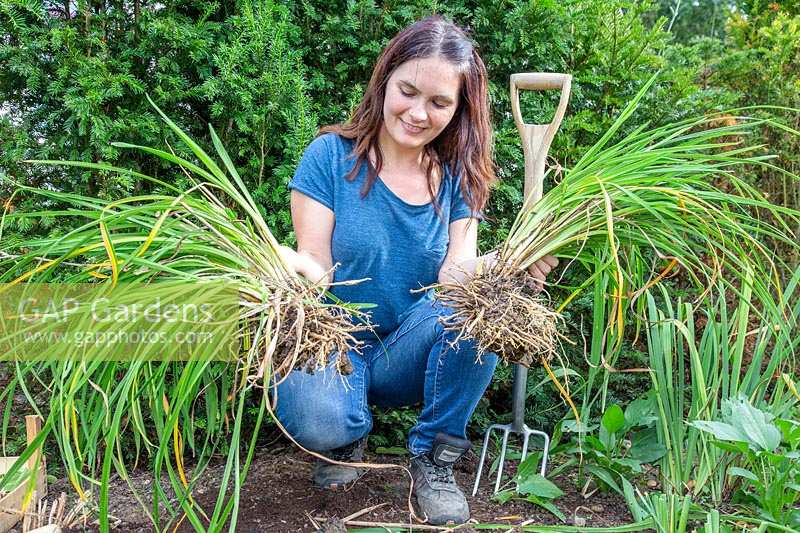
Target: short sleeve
[313, 176]
[458, 206]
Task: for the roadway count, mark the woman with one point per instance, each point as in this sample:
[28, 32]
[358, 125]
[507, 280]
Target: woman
[394, 195]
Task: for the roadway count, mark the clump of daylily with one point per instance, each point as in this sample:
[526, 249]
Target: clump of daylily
[640, 207]
[213, 232]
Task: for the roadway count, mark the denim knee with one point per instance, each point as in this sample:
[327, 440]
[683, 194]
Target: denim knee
[321, 414]
[442, 313]
[427, 324]
[432, 317]
[320, 427]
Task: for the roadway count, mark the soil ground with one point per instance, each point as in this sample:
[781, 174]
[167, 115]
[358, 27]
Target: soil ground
[279, 497]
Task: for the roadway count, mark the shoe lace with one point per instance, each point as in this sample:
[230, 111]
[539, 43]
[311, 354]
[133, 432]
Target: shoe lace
[439, 474]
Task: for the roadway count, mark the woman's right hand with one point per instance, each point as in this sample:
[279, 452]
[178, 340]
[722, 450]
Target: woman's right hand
[288, 258]
[304, 265]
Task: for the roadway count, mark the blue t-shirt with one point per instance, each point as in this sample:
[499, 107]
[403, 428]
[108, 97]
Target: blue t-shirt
[399, 246]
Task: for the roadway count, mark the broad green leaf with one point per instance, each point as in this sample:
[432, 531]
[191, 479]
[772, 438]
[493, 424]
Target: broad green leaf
[741, 472]
[528, 467]
[733, 447]
[775, 460]
[595, 443]
[536, 485]
[613, 419]
[550, 506]
[503, 496]
[790, 430]
[755, 424]
[744, 423]
[605, 476]
[640, 412]
[645, 446]
[633, 503]
[629, 462]
[720, 430]
[574, 427]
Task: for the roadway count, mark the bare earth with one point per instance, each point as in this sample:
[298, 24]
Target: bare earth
[279, 497]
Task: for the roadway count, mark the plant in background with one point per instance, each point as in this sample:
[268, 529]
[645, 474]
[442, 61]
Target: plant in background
[258, 91]
[670, 513]
[766, 459]
[390, 427]
[530, 486]
[625, 441]
[73, 79]
[606, 355]
[700, 354]
[81, 78]
[760, 62]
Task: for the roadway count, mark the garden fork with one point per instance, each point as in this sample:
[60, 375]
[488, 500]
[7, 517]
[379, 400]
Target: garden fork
[536, 140]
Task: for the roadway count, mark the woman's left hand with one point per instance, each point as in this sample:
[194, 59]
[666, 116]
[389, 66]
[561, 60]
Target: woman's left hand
[541, 268]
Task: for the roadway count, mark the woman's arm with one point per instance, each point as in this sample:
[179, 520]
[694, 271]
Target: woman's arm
[462, 252]
[462, 258]
[313, 226]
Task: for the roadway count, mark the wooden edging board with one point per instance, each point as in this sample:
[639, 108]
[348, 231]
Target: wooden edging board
[11, 503]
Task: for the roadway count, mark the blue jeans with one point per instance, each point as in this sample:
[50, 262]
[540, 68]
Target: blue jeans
[415, 363]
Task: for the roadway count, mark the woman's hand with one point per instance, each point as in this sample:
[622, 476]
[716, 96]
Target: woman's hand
[541, 268]
[288, 258]
[299, 263]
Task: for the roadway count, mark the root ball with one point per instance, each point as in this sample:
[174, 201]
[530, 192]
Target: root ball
[308, 334]
[503, 311]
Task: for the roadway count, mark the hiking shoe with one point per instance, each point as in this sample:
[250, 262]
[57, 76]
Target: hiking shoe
[330, 476]
[438, 495]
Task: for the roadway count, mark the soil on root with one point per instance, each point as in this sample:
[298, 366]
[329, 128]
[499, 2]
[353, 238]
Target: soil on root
[278, 496]
[325, 331]
[505, 313]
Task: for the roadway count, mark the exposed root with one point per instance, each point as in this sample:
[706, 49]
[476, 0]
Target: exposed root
[502, 310]
[308, 333]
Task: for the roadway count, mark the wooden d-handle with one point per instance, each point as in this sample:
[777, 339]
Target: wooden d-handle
[540, 81]
[536, 138]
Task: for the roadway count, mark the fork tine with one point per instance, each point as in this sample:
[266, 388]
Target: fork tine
[506, 431]
[545, 447]
[545, 452]
[525, 437]
[482, 459]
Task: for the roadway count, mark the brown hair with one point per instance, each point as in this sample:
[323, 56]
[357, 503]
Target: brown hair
[465, 144]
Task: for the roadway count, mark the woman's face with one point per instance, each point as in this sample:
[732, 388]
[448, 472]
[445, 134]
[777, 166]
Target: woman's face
[421, 98]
